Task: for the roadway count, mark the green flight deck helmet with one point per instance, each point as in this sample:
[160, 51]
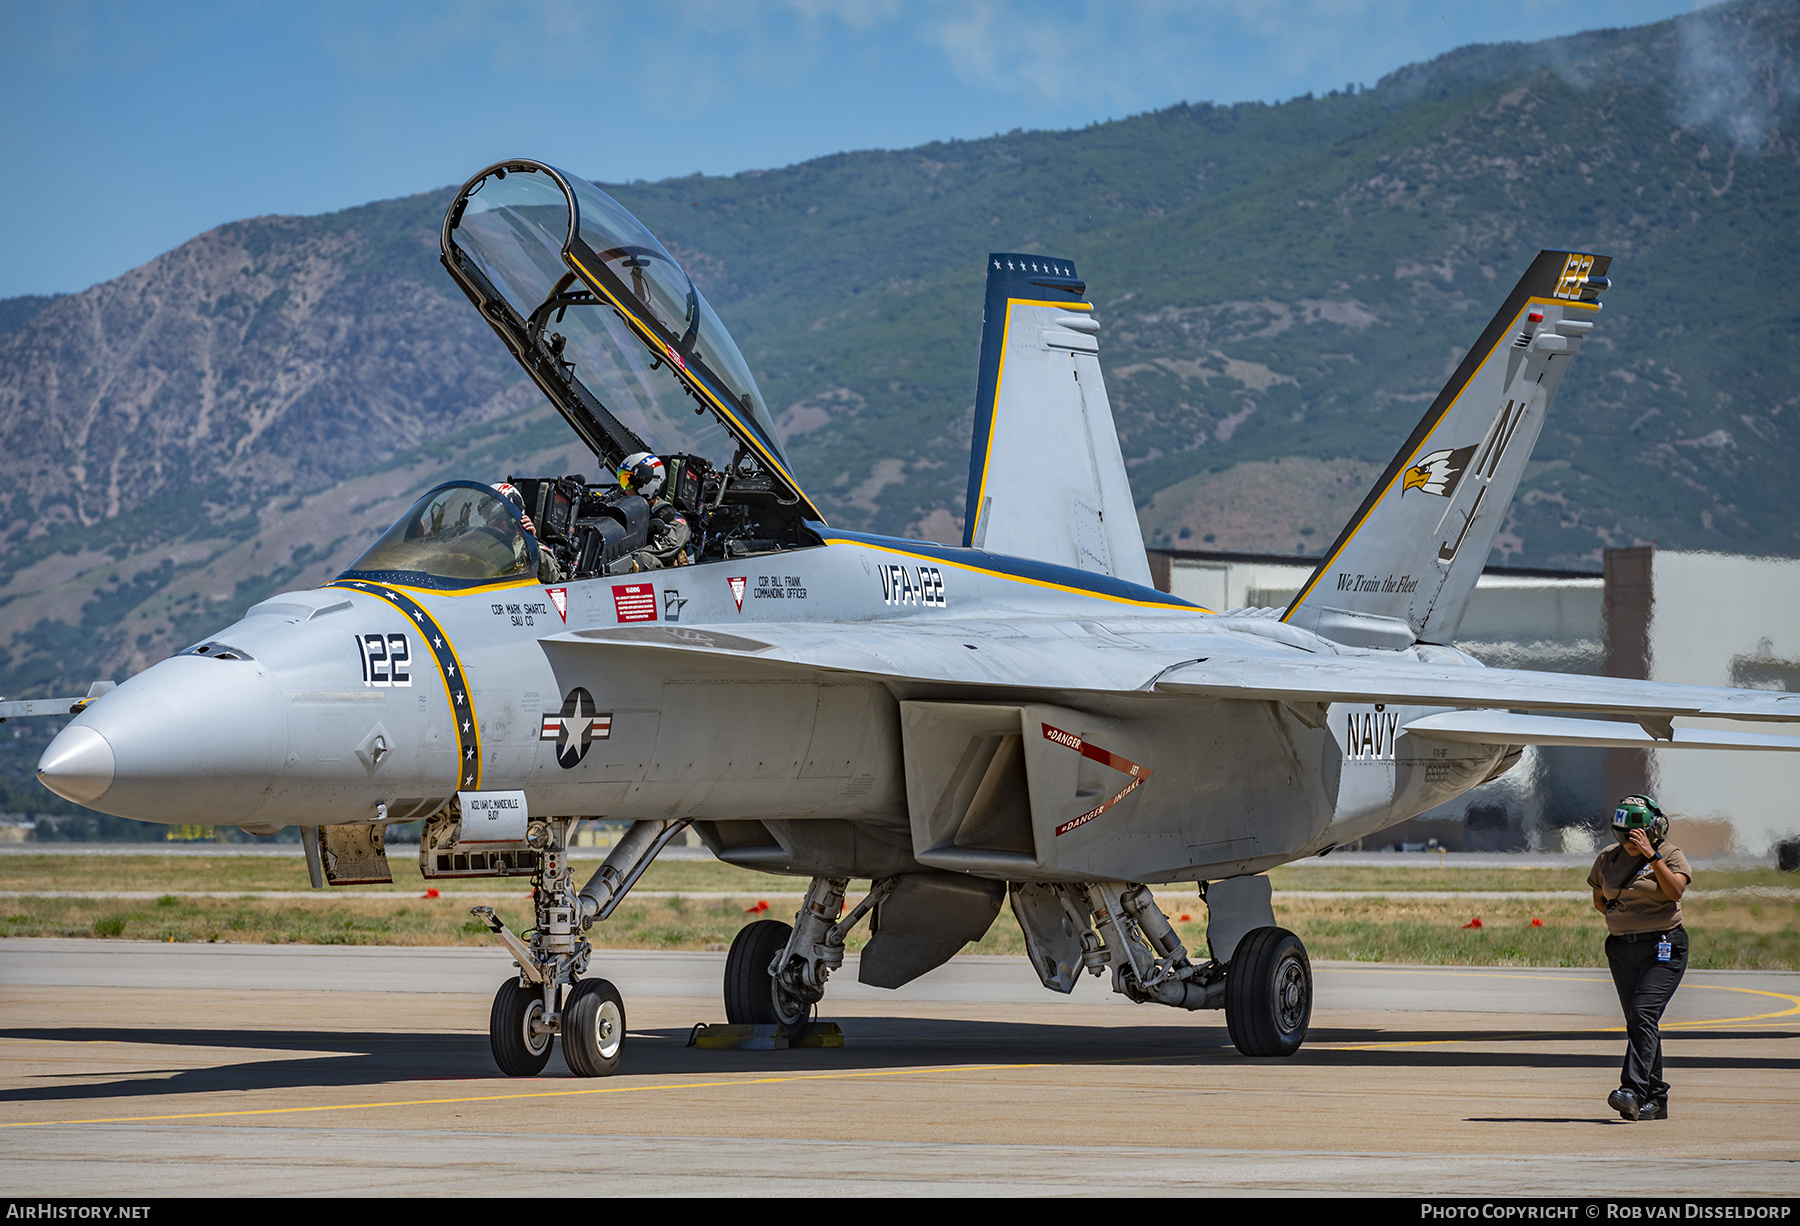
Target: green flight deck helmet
[1640, 813]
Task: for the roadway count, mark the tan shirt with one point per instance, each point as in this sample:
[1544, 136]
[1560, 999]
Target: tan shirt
[1643, 907]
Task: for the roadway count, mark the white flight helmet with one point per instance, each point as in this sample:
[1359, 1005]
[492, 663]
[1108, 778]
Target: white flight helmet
[641, 474]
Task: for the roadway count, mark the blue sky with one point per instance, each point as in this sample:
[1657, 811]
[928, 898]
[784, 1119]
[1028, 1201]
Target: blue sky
[131, 127]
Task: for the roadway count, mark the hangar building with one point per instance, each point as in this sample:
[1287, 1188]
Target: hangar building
[1662, 615]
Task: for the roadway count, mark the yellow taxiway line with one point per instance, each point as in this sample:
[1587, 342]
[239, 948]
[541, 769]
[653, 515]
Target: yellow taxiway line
[1793, 1010]
[494, 1098]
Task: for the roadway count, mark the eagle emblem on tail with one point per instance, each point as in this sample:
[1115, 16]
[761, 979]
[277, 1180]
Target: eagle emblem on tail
[1438, 472]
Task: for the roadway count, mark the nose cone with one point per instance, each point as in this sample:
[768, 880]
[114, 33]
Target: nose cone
[189, 740]
[78, 765]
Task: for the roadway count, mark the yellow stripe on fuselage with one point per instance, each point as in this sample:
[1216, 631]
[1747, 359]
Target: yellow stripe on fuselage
[1001, 574]
[387, 593]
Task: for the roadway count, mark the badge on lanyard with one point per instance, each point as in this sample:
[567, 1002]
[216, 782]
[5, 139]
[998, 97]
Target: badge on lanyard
[1663, 949]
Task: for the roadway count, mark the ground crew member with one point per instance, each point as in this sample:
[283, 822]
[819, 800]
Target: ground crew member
[1638, 886]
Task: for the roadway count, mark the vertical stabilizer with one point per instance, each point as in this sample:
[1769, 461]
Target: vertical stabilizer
[1046, 477]
[1405, 565]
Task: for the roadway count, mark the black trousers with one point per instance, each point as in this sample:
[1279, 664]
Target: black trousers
[1645, 986]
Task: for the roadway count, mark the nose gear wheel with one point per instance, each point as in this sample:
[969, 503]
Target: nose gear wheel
[593, 1029]
[521, 1049]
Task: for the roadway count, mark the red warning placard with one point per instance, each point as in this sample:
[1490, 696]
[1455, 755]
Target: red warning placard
[635, 602]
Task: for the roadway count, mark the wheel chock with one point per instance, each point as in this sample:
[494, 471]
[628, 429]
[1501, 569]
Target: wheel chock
[825, 1034]
[761, 1037]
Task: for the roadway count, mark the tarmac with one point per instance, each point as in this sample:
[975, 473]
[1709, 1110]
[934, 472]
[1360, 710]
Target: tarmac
[142, 1069]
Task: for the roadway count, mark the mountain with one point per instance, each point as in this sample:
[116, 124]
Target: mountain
[1281, 288]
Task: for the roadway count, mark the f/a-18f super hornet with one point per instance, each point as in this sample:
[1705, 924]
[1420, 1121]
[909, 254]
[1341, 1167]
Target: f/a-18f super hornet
[1024, 719]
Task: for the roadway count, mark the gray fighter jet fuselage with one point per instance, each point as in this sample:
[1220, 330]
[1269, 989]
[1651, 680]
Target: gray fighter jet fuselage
[1023, 716]
[769, 692]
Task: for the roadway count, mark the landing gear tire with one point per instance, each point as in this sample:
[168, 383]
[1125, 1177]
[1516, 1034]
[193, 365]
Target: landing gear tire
[749, 988]
[593, 1029]
[1268, 993]
[752, 995]
[518, 1050]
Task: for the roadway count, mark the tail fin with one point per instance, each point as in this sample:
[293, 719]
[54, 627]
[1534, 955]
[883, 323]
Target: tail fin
[1404, 567]
[1046, 478]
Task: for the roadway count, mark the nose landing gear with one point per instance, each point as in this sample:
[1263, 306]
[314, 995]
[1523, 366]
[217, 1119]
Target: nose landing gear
[549, 997]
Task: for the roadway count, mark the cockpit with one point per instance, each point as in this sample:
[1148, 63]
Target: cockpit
[612, 329]
[461, 534]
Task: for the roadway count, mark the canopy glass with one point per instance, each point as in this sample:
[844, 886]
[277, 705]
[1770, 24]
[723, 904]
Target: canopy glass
[606, 320]
[458, 535]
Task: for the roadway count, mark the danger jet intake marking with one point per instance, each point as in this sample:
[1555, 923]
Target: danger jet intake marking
[913, 585]
[635, 602]
[1068, 740]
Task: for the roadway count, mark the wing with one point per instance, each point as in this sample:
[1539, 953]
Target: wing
[965, 652]
[1360, 680]
[54, 706]
[1511, 728]
[1001, 654]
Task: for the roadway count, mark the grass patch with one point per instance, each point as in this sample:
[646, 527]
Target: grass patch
[1323, 875]
[140, 873]
[1751, 932]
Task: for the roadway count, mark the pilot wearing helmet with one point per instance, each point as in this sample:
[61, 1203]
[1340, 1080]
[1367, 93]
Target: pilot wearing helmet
[549, 570]
[643, 474]
[1638, 886]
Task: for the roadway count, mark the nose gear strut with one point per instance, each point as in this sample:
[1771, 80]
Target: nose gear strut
[550, 997]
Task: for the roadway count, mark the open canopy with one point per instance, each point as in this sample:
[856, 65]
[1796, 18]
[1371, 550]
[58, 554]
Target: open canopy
[606, 321]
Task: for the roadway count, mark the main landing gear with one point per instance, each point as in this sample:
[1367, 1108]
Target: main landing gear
[775, 973]
[1264, 982]
[550, 997]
